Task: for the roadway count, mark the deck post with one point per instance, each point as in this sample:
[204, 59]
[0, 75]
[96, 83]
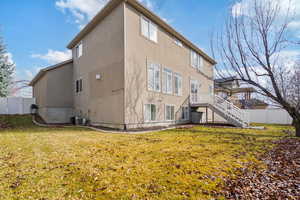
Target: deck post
[206, 115]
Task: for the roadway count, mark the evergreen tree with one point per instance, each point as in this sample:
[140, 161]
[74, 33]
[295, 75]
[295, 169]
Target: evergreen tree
[6, 70]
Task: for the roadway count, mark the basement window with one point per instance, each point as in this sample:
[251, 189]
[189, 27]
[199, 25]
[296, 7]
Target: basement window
[150, 113]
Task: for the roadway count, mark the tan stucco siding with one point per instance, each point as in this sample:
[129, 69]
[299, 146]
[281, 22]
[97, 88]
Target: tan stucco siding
[54, 94]
[60, 87]
[40, 91]
[55, 88]
[139, 50]
[102, 101]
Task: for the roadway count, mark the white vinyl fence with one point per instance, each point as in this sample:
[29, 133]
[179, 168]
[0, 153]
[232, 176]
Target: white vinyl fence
[15, 105]
[269, 116]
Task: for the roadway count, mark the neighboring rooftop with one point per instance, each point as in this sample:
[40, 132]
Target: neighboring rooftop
[226, 79]
[43, 71]
[252, 103]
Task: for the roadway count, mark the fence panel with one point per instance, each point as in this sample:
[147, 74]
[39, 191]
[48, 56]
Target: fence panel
[15, 105]
[3, 106]
[27, 102]
[269, 116]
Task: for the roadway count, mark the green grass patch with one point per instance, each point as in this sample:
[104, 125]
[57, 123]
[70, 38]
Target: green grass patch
[72, 163]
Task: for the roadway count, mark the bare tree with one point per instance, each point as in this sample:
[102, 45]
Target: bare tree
[250, 48]
[17, 86]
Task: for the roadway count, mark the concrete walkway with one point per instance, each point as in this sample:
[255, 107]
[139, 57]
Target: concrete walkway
[124, 132]
[101, 130]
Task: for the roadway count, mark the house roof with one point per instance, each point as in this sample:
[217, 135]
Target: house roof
[42, 72]
[138, 6]
[226, 79]
[252, 102]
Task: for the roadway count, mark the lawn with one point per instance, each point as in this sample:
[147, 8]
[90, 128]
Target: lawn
[76, 163]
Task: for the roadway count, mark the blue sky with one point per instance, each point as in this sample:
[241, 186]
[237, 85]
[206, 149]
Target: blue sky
[36, 32]
[32, 29]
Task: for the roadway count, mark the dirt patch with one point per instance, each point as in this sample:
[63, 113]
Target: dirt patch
[280, 179]
[5, 125]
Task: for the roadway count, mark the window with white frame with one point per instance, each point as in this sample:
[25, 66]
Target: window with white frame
[167, 80]
[185, 113]
[154, 77]
[150, 112]
[79, 50]
[177, 84]
[170, 112]
[148, 29]
[196, 60]
[178, 42]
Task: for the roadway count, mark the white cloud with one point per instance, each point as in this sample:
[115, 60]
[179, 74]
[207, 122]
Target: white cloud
[9, 58]
[82, 10]
[53, 56]
[245, 7]
[153, 7]
[288, 58]
[148, 3]
[29, 74]
[295, 25]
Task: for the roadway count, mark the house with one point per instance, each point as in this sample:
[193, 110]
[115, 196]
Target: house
[231, 89]
[129, 69]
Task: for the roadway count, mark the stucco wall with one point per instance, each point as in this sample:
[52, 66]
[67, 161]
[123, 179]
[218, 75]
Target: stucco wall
[139, 50]
[40, 91]
[60, 87]
[54, 91]
[102, 101]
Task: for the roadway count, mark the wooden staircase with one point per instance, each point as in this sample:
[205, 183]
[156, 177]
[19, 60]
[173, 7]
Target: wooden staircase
[222, 107]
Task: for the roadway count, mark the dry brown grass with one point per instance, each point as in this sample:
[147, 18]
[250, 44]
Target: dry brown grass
[73, 163]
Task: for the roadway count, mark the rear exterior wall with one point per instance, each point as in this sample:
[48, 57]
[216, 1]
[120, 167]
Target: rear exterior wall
[138, 52]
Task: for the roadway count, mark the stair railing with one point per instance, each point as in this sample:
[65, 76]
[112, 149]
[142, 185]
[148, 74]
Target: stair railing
[225, 106]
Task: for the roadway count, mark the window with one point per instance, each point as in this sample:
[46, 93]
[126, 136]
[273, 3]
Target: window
[170, 113]
[153, 77]
[178, 42]
[177, 84]
[185, 113]
[149, 29]
[167, 81]
[194, 87]
[79, 50]
[196, 60]
[78, 86]
[150, 113]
